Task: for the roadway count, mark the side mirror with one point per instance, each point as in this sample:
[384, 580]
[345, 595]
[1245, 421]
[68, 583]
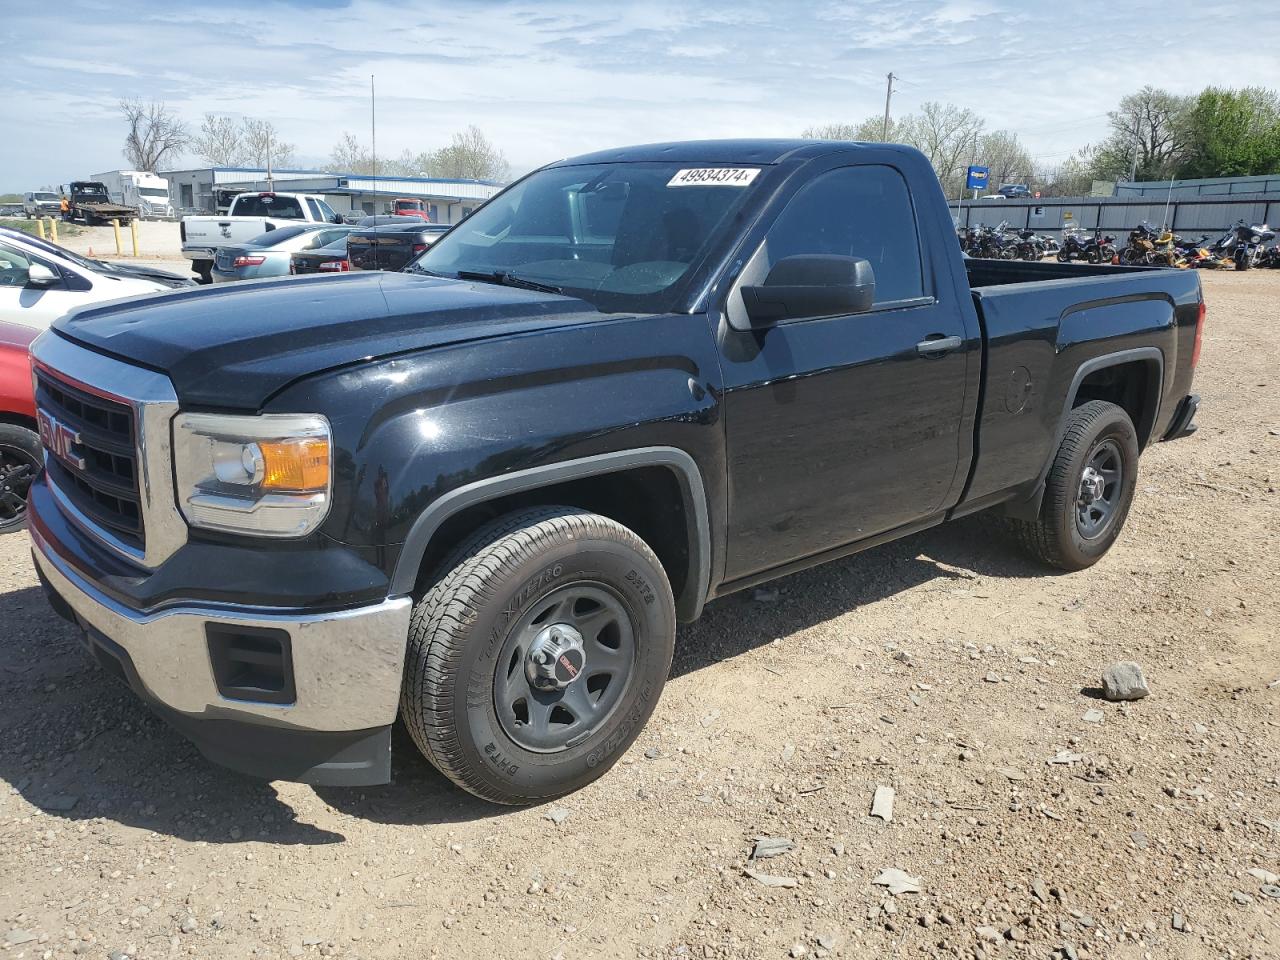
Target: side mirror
[811, 285]
[38, 275]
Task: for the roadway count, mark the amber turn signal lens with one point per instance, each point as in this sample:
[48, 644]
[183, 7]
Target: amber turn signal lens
[295, 465]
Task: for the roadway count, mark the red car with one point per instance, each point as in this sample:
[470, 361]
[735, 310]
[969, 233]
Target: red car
[408, 207]
[20, 453]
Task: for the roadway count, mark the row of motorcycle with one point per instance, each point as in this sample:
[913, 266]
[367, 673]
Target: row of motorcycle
[1003, 242]
[1242, 247]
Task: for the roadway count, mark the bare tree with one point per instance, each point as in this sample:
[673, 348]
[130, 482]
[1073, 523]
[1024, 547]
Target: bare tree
[260, 144]
[154, 132]
[349, 155]
[1005, 156]
[948, 135]
[470, 156]
[870, 130]
[218, 142]
[223, 141]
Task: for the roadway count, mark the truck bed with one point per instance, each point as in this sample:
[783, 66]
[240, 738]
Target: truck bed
[1045, 323]
[995, 273]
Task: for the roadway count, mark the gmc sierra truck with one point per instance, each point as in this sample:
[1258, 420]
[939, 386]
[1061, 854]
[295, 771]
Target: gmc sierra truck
[478, 495]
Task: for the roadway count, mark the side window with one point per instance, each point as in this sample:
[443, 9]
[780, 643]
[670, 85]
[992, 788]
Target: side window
[855, 212]
[326, 212]
[13, 267]
[315, 210]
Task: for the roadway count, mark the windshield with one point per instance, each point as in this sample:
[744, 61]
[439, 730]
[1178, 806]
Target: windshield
[287, 208]
[44, 196]
[622, 236]
[273, 238]
[154, 192]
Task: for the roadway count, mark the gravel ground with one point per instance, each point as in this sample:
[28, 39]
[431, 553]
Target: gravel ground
[156, 238]
[943, 666]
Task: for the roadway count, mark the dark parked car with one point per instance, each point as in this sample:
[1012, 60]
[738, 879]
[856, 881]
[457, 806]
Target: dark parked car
[1014, 191]
[478, 495]
[267, 255]
[330, 259]
[393, 246]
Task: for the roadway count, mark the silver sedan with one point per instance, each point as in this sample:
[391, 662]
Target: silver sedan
[267, 255]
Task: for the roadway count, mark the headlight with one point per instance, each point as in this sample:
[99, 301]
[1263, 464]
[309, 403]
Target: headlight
[268, 475]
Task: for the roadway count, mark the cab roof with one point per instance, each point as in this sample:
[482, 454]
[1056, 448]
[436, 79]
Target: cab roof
[723, 151]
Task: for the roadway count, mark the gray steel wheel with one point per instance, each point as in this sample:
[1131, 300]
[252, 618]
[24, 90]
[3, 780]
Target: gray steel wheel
[1100, 485]
[565, 667]
[537, 653]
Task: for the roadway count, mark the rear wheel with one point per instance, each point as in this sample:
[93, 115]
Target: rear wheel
[1088, 491]
[20, 459]
[539, 655]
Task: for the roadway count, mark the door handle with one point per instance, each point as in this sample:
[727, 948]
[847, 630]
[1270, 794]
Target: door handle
[937, 345]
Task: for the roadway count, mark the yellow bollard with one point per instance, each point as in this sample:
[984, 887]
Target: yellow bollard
[115, 228]
[133, 232]
[40, 227]
[53, 229]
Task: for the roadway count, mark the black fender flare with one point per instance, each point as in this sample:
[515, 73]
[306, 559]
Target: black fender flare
[688, 605]
[1029, 508]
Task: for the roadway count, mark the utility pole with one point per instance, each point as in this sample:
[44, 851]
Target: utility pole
[1137, 142]
[888, 95]
[270, 182]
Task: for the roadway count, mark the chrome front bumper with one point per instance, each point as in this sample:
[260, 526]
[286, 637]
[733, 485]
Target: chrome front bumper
[346, 664]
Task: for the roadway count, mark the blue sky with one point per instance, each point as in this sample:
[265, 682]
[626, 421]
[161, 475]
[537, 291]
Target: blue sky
[551, 78]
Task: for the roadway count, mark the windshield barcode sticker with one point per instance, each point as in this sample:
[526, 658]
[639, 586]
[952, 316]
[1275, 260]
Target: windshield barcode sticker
[714, 177]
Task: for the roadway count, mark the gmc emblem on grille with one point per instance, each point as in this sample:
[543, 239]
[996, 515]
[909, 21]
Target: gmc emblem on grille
[59, 439]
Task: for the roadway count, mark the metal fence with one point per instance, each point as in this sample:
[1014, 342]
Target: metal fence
[1118, 215]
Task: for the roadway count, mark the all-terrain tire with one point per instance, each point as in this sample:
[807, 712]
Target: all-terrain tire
[1055, 537]
[462, 627]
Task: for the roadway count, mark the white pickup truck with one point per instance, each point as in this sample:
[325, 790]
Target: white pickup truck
[250, 214]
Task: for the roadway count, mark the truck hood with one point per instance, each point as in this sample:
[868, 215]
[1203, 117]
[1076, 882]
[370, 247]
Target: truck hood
[235, 345]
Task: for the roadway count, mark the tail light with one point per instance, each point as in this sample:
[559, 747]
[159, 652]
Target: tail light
[248, 261]
[182, 231]
[1195, 350]
[335, 266]
[419, 247]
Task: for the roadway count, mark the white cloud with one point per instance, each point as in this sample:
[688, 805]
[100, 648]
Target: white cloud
[551, 78]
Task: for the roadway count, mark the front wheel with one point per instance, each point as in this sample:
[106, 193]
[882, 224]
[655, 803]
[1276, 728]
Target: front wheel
[538, 656]
[1088, 491]
[1242, 259]
[20, 460]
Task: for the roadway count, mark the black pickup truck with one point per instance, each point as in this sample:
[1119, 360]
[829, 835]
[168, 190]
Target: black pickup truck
[478, 495]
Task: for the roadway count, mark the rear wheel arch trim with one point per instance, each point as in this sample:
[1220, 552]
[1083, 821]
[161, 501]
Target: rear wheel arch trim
[689, 604]
[1151, 355]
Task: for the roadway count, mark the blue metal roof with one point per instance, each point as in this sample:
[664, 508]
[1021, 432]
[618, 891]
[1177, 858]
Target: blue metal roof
[345, 176]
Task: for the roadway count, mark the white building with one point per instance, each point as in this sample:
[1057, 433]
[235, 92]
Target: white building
[209, 190]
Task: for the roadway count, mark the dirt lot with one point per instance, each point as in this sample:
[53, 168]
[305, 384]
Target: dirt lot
[943, 666]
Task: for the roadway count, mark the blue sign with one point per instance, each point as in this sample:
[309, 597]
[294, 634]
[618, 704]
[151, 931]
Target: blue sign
[977, 178]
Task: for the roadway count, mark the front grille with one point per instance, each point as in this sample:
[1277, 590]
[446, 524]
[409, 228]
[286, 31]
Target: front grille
[98, 472]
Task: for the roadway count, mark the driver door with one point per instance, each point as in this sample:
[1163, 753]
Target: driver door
[840, 428]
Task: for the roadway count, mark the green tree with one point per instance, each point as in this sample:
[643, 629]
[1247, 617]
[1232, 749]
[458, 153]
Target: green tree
[1233, 133]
